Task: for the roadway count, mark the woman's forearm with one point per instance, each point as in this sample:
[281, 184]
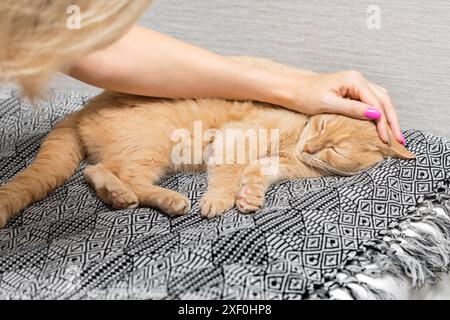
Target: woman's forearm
[149, 63]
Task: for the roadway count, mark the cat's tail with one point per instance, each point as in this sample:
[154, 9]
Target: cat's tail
[58, 158]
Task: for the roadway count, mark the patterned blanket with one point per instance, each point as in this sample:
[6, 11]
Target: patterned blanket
[72, 246]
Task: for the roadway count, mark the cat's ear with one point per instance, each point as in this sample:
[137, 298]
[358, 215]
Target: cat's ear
[397, 150]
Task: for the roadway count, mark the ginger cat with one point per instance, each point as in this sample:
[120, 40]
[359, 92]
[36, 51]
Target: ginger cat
[128, 142]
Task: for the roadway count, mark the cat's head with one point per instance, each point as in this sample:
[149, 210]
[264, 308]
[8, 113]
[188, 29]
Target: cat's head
[340, 145]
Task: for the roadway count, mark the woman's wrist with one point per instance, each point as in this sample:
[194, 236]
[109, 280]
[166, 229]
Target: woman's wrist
[275, 87]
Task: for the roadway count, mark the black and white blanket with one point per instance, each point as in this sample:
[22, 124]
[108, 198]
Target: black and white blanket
[72, 246]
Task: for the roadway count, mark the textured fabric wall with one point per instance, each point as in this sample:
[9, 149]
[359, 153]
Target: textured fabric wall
[409, 53]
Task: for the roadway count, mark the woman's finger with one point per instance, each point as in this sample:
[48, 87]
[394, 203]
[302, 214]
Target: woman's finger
[382, 123]
[360, 90]
[353, 108]
[391, 113]
[382, 128]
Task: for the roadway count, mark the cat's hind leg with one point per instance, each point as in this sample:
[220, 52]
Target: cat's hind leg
[110, 188]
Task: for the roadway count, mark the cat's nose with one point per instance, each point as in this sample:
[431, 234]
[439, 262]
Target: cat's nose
[310, 148]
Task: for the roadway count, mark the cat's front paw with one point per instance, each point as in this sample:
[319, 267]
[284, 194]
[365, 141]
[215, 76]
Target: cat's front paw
[174, 204]
[213, 205]
[250, 197]
[123, 199]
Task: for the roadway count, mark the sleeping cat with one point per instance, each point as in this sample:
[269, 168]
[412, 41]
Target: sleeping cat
[127, 140]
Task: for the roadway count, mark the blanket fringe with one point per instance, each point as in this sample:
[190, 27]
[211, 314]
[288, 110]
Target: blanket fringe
[415, 247]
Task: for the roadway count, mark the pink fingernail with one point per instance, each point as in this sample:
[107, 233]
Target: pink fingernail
[373, 114]
[403, 139]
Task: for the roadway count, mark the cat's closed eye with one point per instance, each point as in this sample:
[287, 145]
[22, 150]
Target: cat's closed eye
[335, 150]
[322, 126]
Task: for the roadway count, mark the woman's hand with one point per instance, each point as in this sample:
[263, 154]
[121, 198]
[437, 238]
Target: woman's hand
[347, 93]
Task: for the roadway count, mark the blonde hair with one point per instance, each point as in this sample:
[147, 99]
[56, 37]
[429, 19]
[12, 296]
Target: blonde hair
[40, 37]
